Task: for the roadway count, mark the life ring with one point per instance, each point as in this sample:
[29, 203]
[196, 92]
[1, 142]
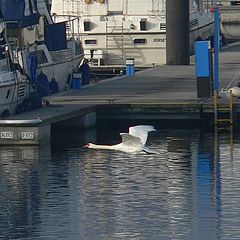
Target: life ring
[87, 1]
[101, 1]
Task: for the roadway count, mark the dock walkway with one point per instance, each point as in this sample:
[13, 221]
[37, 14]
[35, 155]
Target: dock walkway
[168, 91]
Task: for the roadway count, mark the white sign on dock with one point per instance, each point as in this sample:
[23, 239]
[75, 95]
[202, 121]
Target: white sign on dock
[7, 135]
[18, 135]
[27, 135]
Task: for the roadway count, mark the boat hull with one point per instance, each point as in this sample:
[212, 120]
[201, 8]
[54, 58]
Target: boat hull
[14, 95]
[151, 53]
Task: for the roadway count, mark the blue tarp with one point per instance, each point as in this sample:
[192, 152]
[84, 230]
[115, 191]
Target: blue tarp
[55, 36]
[19, 13]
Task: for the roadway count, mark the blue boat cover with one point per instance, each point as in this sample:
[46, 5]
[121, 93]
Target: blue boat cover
[32, 67]
[86, 73]
[53, 86]
[19, 13]
[42, 84]
[55, 36]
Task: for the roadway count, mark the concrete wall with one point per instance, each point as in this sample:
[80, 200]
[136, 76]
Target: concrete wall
[20, 135]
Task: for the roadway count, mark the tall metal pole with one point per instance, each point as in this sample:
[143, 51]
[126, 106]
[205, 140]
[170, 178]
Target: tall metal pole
[216, 61]
[177, 25]
[216, 48]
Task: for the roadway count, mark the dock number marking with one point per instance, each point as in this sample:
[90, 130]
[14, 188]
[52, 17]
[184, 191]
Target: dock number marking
[27, 135]
[7, 135]
[159, 40]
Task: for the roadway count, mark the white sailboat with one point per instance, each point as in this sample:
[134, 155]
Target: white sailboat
[56, 49]
[115, 30]
[14, 85]
[24, 33]
[57, 64]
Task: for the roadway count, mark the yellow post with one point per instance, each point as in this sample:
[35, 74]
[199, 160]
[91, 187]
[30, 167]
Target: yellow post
[231, 106]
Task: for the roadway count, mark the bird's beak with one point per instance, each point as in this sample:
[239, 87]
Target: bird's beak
[86, 146]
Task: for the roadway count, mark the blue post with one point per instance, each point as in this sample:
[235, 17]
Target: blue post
[216, 49]
[76, 81]
[130, 69]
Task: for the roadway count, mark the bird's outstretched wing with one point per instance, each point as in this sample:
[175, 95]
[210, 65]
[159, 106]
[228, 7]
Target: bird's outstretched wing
[141, 131]
[131, 141]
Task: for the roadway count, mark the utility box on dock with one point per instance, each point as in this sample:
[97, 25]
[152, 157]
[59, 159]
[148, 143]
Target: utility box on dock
[76, 81]
[204, 69]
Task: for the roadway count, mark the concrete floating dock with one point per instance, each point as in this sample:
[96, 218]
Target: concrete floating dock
[159, 93]
[24, 133]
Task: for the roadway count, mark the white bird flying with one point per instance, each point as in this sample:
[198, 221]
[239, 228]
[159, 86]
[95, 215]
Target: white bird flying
[132, 142]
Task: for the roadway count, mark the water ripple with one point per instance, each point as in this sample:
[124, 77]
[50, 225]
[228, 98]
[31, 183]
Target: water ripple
[188, 191]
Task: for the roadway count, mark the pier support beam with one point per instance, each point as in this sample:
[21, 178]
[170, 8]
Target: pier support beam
[177, 23]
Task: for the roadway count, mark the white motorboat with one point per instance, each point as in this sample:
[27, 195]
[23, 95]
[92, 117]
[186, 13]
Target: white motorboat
[112, 31]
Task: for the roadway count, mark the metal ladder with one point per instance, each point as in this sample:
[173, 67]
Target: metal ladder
[114, 40]
[223, 120]
[223, 116]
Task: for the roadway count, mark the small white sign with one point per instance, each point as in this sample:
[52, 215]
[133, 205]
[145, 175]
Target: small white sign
[159, 40]
[27, 135]
[7, 135]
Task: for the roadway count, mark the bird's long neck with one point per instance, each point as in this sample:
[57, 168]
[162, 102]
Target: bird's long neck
[96, 146]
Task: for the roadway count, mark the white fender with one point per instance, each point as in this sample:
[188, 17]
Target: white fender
[235, 91]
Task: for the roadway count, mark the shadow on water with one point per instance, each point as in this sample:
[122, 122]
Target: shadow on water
[63, 191]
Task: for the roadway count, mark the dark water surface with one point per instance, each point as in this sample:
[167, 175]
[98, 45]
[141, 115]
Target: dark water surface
[191, 190]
